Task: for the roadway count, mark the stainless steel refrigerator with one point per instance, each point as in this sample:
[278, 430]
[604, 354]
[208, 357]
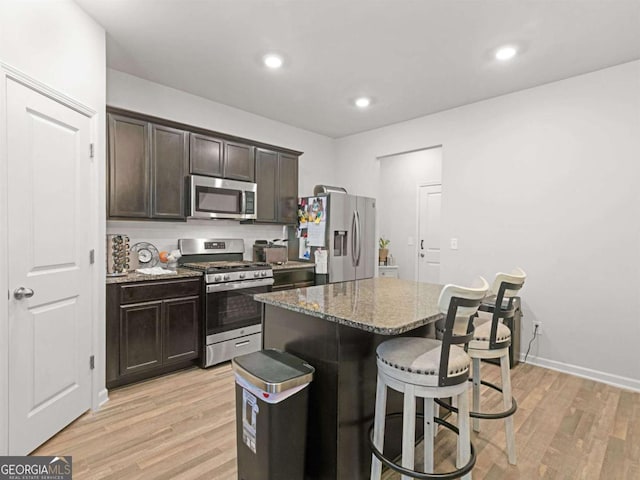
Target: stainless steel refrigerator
[348, 236]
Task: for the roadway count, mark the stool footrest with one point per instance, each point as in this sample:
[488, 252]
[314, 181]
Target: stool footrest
[422, 475]
[485, 416]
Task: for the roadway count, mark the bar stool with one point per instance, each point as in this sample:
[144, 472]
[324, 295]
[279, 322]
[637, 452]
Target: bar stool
[429, 369]
[491, 340]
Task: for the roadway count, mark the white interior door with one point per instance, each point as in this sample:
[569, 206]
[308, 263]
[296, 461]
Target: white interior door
[429, 233]
[48, 219]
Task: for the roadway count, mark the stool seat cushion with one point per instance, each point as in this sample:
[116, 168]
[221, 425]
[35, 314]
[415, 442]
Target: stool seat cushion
[421, 357]
[482, 332]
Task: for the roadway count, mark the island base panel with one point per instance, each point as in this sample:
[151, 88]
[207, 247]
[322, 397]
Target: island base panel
[342, 394]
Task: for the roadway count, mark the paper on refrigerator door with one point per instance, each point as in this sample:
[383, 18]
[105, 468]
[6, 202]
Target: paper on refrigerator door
[315, 235]
[320, 257]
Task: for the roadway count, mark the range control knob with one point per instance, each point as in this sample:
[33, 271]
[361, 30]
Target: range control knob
[217, 278]
[227, 276]
[256, 274]
[263, 274]
[242, 275]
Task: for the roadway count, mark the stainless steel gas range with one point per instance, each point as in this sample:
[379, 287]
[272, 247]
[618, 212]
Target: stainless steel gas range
[232, 319]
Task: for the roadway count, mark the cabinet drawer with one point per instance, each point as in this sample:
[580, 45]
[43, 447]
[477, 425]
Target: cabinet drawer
[158, 290]
[388, 272]
[219, 352]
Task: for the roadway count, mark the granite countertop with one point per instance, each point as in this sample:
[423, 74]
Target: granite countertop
[387, 306]
[139, 277]
[292, 264]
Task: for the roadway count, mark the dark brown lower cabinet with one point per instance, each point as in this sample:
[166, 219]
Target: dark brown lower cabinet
[140, 341]
[181, 327]
[152, 328]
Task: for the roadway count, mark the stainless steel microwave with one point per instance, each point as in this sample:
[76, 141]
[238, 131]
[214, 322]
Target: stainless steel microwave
[221, 198]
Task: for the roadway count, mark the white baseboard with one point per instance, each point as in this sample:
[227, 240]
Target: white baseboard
[603, 377]
[103, 397]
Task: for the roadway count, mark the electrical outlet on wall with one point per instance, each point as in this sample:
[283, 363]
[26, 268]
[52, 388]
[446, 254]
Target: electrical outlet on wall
[537, 324]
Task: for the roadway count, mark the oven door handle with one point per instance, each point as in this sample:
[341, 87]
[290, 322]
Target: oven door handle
[225, 287]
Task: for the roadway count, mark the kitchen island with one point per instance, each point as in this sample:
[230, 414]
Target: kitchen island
[336, 328]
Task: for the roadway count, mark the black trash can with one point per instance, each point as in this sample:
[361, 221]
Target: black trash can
[271, 414]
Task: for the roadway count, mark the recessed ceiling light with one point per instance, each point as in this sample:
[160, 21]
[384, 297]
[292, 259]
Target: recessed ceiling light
[273, 61]
[362, 102]
[506, 53]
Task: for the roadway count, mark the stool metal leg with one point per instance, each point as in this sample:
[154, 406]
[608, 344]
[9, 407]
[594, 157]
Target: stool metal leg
[476, 392]
[506, 396]
[429, 434]
[408, 429]
[464, 437]
[378, 429]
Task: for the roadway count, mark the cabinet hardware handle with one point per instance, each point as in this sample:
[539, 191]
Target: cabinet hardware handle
[242, 344]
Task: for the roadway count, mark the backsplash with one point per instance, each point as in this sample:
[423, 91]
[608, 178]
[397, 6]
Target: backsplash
[165, 235]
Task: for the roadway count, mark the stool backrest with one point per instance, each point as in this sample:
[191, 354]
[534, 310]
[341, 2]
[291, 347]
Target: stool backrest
[516, 277]
[460, 305]
[505, 287]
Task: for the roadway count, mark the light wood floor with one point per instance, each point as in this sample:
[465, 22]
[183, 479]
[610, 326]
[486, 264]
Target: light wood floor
[182, 426]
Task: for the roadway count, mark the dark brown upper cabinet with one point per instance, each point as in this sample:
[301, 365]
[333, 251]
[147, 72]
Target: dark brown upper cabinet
[169, 155]
[214, 157]
[239, 162]
[206, 155]
[147, 166]
[277, 179]
[129, 176]
[288, 188]
[149, 158]
[267, 180]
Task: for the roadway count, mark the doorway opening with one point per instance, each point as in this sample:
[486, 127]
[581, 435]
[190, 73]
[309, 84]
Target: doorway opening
[403, 220]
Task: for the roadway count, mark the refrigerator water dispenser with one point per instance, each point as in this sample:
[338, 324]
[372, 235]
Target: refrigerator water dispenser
[339, 243]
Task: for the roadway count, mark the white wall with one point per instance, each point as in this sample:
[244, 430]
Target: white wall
[400, 177]
[139, 95]
[545, 179]
[57, 44]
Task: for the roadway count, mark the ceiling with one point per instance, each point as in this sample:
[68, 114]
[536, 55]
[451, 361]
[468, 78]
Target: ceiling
[413, 57]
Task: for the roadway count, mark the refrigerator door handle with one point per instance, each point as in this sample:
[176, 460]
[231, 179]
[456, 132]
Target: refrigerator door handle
[354, 239]
[359, 239]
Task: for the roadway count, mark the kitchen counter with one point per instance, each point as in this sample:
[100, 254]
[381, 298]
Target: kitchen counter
[291, 265]
[385, 306]
[140, 277]
[336, 328]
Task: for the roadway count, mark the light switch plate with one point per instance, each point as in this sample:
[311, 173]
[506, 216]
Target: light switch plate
[454, 244]
[410, 241]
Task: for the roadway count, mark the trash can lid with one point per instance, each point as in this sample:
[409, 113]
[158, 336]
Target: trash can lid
[272, 370]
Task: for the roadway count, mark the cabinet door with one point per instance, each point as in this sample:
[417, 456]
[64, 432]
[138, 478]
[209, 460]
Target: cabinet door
[169, 152]
[239, 162]
[140, 337]
[205, 156]
[288, 189]
[267, 180]
[181, 335]
[129, 182]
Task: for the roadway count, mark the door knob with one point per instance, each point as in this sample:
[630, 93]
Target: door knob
[422, 255]
[22, 292]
